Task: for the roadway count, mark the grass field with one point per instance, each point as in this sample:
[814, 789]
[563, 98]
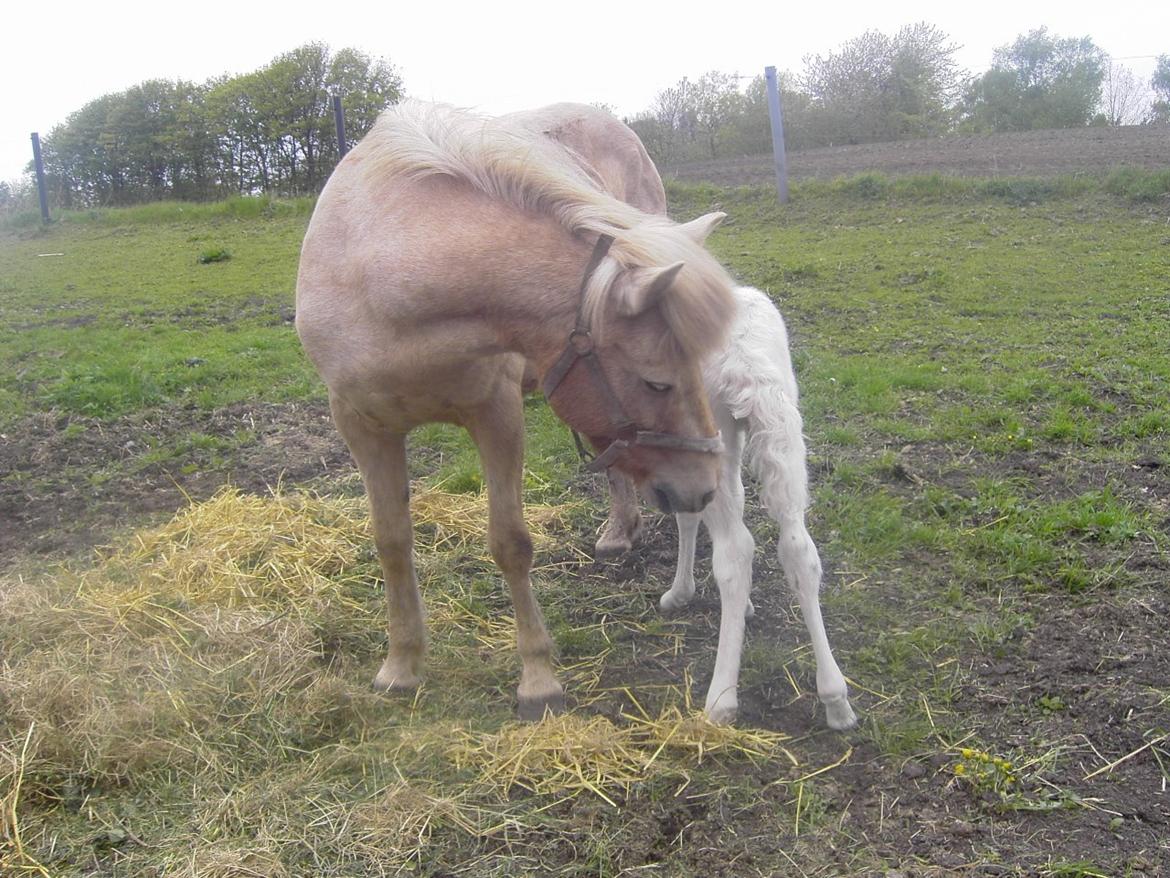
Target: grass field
[986, 386]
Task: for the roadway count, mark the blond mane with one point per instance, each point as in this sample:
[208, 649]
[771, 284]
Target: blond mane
[504, 160]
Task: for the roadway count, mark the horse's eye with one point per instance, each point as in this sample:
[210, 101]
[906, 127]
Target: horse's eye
[658, 388]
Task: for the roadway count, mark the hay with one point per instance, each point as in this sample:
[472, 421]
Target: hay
[224, 646]
[398, 824]
[571, 754]
[561, 754]
[691, 733]
[456, 524]
[236, 550]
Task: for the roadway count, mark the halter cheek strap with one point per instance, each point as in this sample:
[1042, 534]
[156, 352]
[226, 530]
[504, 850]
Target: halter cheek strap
[581, 348]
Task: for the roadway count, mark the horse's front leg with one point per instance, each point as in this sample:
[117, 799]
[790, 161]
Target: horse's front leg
[682, 590]
[381, 458]
[498, 430]
[732, 548]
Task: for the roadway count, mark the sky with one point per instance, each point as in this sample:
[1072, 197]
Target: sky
[499, 55]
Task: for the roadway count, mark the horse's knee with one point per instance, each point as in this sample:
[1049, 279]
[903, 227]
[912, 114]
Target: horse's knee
[511, 548]
[799, 557]
[394, 551]
[731, 559]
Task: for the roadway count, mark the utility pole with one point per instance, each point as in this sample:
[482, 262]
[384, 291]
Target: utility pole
[40, 168]
[778, 154]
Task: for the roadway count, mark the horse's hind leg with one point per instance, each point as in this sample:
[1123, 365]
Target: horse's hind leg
[381, 458]
[624, 525]
[498, 431]
[802, 568]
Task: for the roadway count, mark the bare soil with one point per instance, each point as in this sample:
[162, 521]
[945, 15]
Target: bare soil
[1103, 654]
[69, 483]
[1022, 154]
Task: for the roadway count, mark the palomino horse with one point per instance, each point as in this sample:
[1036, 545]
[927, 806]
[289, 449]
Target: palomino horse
[445, 252]
[753, 396]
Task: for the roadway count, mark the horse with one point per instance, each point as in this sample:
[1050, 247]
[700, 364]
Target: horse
[752, 391]
[448, 254]
[753, 396]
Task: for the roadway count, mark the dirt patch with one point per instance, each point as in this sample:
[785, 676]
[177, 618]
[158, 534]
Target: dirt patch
[1075, 696]
[69, 482]
[1017, 154]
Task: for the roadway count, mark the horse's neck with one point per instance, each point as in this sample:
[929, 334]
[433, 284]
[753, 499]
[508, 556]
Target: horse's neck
[531, 294]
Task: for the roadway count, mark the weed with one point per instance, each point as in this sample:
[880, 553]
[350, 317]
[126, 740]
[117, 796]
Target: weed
[214, 254]
[983, 772]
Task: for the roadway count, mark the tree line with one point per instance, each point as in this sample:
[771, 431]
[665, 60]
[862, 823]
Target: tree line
[269, 131]
[878, 87]
[272, 130]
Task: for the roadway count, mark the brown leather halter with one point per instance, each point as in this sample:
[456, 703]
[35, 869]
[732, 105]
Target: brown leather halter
[581, 349]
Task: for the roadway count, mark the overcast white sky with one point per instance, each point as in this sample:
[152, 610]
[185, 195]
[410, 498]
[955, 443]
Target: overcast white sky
[498, 55]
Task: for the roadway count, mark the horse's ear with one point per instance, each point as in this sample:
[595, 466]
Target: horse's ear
[698, 229]
[644, 286]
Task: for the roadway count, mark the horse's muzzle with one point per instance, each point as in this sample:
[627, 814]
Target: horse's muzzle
[670, 502]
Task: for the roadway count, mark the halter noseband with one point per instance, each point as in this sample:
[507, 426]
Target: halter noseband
[580, 348]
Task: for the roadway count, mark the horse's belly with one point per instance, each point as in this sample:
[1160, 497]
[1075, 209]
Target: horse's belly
[402, 394]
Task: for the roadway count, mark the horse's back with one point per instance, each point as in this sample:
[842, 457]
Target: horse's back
[605, 148]
[756, 353]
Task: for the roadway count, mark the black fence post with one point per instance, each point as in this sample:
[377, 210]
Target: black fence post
[40, 168]
[339, 121]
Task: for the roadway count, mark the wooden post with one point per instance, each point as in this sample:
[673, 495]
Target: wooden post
[40, 169]
[778, 154]
[339, 121]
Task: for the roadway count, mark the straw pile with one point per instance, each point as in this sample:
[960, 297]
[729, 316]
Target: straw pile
[223, 659]
[572, 754]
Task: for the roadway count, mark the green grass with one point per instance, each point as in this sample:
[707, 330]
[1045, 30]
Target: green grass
[983, 368]
[115, 313]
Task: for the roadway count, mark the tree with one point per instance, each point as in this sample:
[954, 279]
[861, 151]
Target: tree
[715, 102]
[1124, 98]
[368, 86]
[877, 87]
[1160, 85]
[1039, 81]
[267, 131]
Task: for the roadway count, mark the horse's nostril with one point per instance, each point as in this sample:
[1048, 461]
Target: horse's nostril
[707, 498]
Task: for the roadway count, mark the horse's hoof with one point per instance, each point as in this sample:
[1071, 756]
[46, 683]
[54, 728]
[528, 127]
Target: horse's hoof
[395, 680]
[534, 708]
[610, 548]
[722, 714]
[672, 601]
[616, 540]
[838, 714]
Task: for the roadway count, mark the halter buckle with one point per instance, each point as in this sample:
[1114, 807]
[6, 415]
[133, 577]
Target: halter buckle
[581, 341]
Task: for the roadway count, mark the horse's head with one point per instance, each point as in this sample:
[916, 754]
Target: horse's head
[630, 378]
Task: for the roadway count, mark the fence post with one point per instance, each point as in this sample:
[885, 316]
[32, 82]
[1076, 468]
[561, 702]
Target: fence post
[40, 169]
[339, 121]
[778, 154]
